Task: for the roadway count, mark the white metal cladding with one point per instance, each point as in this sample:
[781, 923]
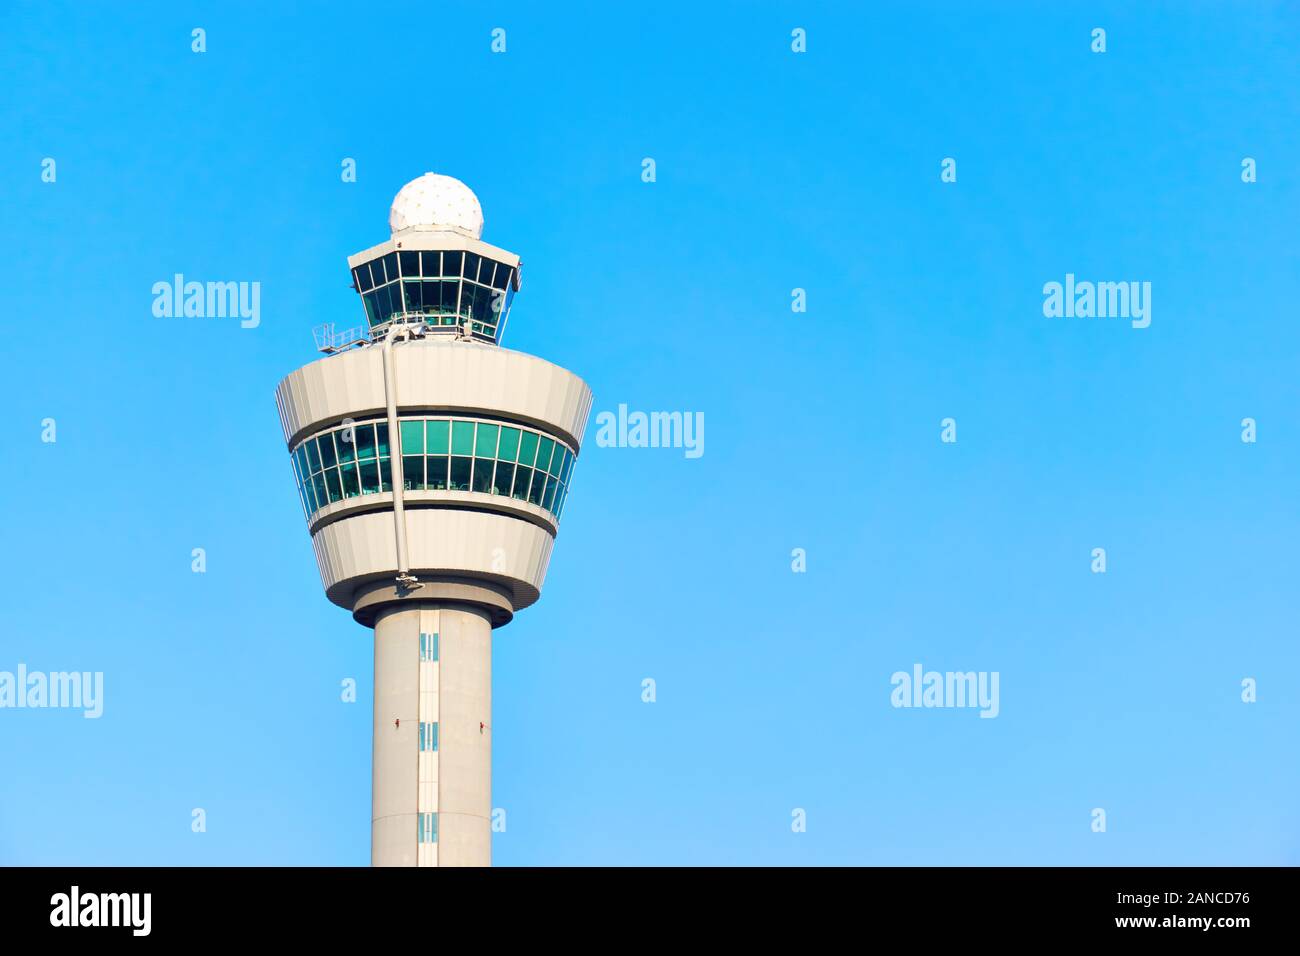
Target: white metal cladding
[472, 543]
[434, 374]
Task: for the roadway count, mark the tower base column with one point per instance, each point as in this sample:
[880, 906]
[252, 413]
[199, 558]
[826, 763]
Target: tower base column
[432, 765]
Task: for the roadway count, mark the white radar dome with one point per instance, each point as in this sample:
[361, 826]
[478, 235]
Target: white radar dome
[433, 203]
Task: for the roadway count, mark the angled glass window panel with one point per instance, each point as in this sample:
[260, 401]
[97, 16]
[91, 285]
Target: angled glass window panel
[313, 456]
[431, 264]
[451, 298]
[569, 458]
[318, 484]
[437, 431]
[462, 438]
[377, 273]
[413, 295]
[483, 474]
[460, 471]
[309, 496]
[372, 309]
[390, 266]
[496, 305]
[538, 487]
[364, 436]
[485, 272]
[369, 477]
[467, 290]
[351, 480]
[544, 449]
[395, 295]
[327, 456]
[485, 443]
[361, 278]
[437, 465]
[410, 263]
[557, 460]
[509, 449]
[303, 469]
[505, 476]
[439, 297]
[332, 484]
[385, 475]
[471, 265]
[549, 499]
[527, 448]
[451, 263]
[502, 278]
[383, 306]
[483, 305]
[382, 429]
[413, 472]
[522, 477]
[413, 438]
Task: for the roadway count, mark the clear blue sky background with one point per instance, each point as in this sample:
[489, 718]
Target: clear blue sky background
[775, 171]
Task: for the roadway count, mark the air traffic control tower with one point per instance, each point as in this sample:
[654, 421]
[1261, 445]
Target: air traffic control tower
[433, 467]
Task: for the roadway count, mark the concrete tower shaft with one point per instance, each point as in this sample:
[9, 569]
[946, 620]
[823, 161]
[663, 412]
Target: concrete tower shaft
[433, 467]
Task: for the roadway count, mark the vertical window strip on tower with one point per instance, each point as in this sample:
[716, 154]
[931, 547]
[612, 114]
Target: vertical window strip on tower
[427, 827]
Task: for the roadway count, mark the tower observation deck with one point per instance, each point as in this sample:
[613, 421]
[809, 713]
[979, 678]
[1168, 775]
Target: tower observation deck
[433, 467]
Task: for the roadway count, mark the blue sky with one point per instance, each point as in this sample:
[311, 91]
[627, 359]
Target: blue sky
[775, 171]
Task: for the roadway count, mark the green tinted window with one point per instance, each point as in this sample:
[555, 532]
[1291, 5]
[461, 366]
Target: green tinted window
[504, 477]
[537, 487]
[483, 473]
[345, 441]
[437, 432]
[437, 472]
[527, 448]
[382, 430]
[364, 436]
[327, 457]
[462, 438]
[351, 481]
[485, 445]
[522, 477]
[313, 456]
[332, 483]
[460, 469]
[413, 472]
[544, 454]
[557, 460]
[413, 438]
[369, 477]
[509, 449]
